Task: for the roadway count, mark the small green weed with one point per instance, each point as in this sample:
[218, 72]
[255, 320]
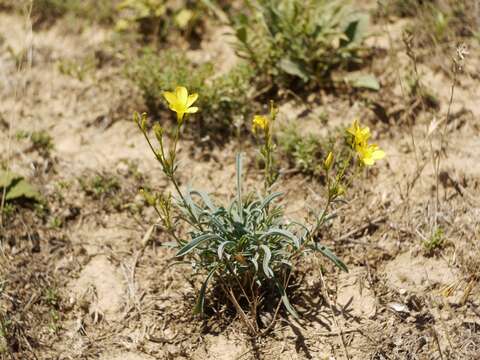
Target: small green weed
[78, 69]
[436, 240]
[304, 153]
[21, 135]
[56, 222]
[52, 300]
[42, 141]
[100, 186]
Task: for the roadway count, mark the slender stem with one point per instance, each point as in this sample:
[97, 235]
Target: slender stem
[229, 267]
[235, 303]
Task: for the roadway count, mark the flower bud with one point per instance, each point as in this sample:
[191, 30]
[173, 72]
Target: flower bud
[327, 164]
[158, 131]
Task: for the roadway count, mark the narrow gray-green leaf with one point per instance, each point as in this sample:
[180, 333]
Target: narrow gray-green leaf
[285, 300]
[206, 199]
[255, 262]
[195, 242]
[267, 256]
[331, 256]
[201, 297]
[239, 185]
[270, 198]
[221, 247]
[284, 233]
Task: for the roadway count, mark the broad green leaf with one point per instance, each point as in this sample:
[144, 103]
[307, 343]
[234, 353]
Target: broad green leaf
[201, 297]
[356, 29]
[364, 81]
[293, 69]
[17, 187]
[8, 177]
[242, 34]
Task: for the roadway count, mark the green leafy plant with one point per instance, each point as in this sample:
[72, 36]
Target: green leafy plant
[225, 99]
[295, 40]
[247, 247]
[305, 153]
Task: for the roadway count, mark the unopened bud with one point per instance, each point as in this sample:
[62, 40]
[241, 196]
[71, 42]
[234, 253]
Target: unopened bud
[158, 130]
[327, 164]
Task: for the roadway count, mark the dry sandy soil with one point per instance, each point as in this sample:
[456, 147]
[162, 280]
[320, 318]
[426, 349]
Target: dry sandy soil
[95, 288]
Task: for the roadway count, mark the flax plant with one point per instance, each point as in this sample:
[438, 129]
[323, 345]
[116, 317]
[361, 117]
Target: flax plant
[247, 248]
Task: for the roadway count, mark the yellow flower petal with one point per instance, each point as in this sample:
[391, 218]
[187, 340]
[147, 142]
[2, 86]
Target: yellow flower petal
[359, 135]
[378, 155]
[191, 99]
[192, 110]
[182, 95]
[259, 122]
[170, 97]
[180, 102]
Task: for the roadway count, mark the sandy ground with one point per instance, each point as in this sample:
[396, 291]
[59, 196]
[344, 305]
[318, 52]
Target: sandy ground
[119, 296]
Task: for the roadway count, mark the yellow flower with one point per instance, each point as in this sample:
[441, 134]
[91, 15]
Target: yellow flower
[259, 122]
[328, 161]
[369, 153]
[360, 135]
[180, 102]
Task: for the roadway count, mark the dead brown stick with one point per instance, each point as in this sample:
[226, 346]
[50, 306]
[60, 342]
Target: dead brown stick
[362, 228]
